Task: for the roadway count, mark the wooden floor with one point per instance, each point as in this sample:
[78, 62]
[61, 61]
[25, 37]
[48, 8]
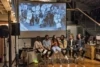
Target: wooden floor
[85, 63]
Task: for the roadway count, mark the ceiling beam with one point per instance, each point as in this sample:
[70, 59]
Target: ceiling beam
[3, 17]
[6, 4]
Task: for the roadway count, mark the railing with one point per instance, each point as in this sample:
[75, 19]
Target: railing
[87, 22]
[88, 16]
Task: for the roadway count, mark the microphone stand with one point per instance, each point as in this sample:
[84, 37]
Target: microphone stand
[24, 43]
[5, 60]
[16, 55]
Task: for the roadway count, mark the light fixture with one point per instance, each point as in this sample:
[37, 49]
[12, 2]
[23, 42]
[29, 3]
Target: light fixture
[9, 0]
[4, 24]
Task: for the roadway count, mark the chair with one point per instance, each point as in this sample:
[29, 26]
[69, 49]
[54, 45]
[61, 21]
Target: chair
[57, 58]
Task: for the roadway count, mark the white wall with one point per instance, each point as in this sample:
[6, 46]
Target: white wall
[19, 45]
[73, 29]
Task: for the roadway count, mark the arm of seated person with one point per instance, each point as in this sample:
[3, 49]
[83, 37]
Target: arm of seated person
[80, 48]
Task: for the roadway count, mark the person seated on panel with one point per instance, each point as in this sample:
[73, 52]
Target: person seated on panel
[47, 45]
[71, 46]
[39, 47]
[80, 43]
[55, 44]
[62, 44]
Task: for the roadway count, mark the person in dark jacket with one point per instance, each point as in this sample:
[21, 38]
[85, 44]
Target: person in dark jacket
[71, 46]
[80, 45]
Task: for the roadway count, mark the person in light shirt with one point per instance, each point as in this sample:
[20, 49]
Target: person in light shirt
[47, 45]
[63, 45]
[39, 47]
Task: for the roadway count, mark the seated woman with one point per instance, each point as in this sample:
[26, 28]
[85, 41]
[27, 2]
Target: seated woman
[39, 47]
[55, 44]
[47, 45]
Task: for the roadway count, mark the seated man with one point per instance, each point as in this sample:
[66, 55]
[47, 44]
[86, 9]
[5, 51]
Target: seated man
[63, 45]
[71, 47]
[47, 45]
[39, 47]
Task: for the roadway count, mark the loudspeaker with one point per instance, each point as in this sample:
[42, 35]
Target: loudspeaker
[15, 29]
[4, 31]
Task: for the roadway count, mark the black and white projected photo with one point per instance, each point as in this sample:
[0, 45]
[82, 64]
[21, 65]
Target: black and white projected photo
[42, 16]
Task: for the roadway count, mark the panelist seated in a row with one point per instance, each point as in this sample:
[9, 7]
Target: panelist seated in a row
[76, 48]
[50, 46]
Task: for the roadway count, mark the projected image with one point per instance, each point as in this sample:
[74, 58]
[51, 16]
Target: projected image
[42, 17]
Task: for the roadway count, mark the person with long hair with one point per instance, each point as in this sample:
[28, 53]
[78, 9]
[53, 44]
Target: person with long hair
[71, 46]
[63, 45]
[55, 44]
[80, 45]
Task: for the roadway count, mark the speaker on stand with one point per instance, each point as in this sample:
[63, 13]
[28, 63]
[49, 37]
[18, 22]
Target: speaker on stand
[15, 32]
[4, 34]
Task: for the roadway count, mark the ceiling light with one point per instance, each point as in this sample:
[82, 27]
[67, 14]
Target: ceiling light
[9, 0]
[4, 24]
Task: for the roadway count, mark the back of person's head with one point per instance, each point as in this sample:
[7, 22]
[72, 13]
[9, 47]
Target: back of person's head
[38, 38]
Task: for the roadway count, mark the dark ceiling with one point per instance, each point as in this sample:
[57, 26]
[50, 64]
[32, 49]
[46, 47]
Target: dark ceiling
[4, 5]
[91, 3]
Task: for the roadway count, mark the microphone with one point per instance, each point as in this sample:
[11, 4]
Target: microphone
[24, 43]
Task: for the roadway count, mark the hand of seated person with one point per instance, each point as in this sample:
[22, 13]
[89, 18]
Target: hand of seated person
[80, 49]
[41, 47]
[71, 47]
[49, 48]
